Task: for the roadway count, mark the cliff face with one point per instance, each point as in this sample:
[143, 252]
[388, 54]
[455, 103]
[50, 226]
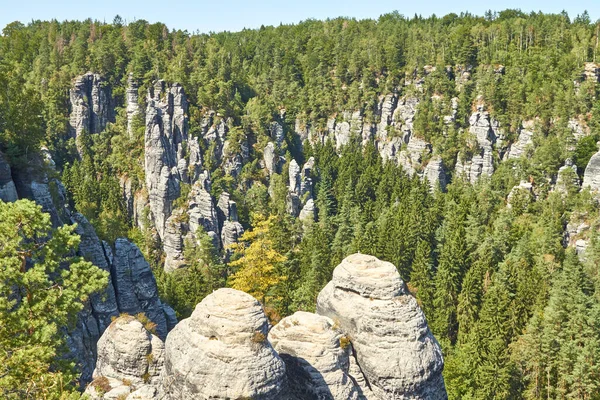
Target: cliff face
[92, 106]
[131, 288]
[368, 340]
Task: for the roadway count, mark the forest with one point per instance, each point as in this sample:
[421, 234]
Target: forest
[492, 261]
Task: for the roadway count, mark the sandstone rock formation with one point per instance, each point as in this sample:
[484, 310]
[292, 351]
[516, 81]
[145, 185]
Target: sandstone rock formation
[591, 176]
[524, 141]
[222, 352]
[132, 106]
[130, 360]
[127, 350]
[8, 190]
[316, 357]
[91, 105]
[135, 285]
[165, 137]
[369, 340]
[485, 130]
[395, 350]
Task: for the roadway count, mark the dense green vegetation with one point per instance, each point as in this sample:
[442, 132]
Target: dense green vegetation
[517, 314]
[39, 298]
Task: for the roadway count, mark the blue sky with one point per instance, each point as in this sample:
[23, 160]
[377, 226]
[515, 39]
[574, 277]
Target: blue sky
[215, 15]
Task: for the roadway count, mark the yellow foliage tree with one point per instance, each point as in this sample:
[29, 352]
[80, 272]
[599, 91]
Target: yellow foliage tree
[257, 273]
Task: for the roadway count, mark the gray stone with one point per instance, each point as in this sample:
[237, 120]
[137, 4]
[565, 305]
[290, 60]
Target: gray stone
[395, 350]
[8, 190]
[135, 286]
[307, 214]
[222, 352]
[165, 143]
[591, 176]
[91, 105]
[127, 350]
[295, 180]
[132, 106]
[270, 158]
[316, 357]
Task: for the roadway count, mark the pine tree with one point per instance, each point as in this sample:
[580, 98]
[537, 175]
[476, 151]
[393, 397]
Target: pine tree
[42, 289]
[453, 263]
[421, 278]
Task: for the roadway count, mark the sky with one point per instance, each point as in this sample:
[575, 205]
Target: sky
[235, 15]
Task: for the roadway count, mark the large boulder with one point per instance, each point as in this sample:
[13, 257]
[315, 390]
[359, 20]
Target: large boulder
[316, 356]
[395, 350]
[222, 352]
[129, 351]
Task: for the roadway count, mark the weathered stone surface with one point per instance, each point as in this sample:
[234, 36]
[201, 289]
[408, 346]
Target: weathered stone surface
[524, 141]
[567, 178]
[276, 132]
[127, 350]
[316, 363]
[202, 211]
[436, 174]
[270, 158]
[104, 305]
[293, 204]
[591, 176]
[395, 350]
[222, 352]
[295, 180]
[91, 105]
[173, 241]
[131, 103]
[387, 107]
[8, 190]
[307, 214]
[231, 232]
[485, 130]
[135, 286]
[165, 146]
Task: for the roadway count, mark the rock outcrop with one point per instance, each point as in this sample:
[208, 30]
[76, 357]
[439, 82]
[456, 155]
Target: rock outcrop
[316, 356]
[165, 138]
[128, 350]
[591, 176]
[222, 352]
[369, 340]
[395, 350]
[132, 103]
[524, 141]
[91, 105]
[8, 190]
[130, 360]
[485, 131]
[135, 286]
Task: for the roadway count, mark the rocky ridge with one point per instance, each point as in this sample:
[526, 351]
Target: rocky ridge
[368, 340]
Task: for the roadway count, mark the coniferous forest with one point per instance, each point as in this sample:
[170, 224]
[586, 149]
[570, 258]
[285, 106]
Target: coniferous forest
[459, 148]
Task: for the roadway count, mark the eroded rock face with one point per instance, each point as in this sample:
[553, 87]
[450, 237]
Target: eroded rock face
[591, 176]
[485, 130]
[8, 190]
[132, 105]
[316, 357]
[395, 350]
[222, 352]
[135, 285]
[91, 105]
[165, 146]
[127, 350]
[524, 141]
